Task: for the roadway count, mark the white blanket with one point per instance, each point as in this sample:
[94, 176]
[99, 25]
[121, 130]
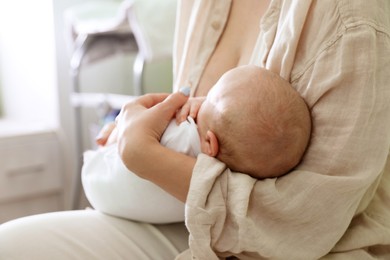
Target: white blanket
[111, 188]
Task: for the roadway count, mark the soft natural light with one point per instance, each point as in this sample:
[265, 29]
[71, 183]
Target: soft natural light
[27, 63]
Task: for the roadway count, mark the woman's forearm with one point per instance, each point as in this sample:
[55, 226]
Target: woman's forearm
[140, 126]
[166, 168]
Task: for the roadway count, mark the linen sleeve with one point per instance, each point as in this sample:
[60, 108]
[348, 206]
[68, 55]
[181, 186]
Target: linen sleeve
[303, 214]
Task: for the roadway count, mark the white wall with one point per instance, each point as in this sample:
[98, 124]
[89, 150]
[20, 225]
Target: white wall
[30, 111]
[1, 89]
[34, 73]
[27, 62]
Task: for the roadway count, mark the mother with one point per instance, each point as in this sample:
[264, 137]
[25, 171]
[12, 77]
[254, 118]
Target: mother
[333, 205]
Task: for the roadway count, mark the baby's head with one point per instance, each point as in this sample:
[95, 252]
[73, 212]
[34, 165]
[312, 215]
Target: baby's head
[255, 122]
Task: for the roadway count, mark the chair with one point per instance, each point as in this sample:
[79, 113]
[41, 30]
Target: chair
[97, 30]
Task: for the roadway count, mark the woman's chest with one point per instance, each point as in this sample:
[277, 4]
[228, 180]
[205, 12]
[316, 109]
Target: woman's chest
[236, 43]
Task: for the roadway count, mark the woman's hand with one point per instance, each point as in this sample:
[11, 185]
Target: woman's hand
[108, 134]
[140, 125]
[147, 117]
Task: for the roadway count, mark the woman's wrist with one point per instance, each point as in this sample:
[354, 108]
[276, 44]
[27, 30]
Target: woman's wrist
[164, 167]
[140, 125]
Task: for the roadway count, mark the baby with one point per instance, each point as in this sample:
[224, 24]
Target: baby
[252, 120]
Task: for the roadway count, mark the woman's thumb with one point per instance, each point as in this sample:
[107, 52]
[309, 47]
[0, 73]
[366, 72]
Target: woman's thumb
[175, 101]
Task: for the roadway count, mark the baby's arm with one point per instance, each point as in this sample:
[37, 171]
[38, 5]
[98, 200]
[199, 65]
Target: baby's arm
[191, 108]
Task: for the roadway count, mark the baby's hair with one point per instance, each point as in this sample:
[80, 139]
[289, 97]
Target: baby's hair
[267, 130]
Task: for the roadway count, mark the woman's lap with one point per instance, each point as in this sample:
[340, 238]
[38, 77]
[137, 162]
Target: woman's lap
[88, 234]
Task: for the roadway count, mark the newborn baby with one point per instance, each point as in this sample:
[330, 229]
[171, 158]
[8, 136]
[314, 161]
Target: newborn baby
[265, 138]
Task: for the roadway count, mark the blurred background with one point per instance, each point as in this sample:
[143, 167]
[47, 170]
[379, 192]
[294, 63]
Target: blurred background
[66, 66]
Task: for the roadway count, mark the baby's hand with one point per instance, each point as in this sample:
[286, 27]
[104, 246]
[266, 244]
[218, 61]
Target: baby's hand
[191, 108]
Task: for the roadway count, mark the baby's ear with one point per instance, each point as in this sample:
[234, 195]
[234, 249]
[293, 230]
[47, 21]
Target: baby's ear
[212, 144]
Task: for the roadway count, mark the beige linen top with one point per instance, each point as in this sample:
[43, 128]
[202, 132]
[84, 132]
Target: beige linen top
[336, 53]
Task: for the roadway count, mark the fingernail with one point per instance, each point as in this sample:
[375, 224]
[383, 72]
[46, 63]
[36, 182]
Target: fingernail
[185, 90]
[99, 138]
[99, 141]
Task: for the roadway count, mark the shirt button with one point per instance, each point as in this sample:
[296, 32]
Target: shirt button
[216, 25]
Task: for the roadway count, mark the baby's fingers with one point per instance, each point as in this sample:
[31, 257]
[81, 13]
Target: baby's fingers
[182, 113]
[194, 109]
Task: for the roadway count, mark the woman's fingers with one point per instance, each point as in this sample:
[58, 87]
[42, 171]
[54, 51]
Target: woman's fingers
[162, 106]
[150, 113]
[168, 108]
[108, 133]
[150, 100]
[171, 104]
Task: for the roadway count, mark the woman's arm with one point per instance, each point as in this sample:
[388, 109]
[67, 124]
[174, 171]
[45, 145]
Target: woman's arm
[140, 126]
[305, 213]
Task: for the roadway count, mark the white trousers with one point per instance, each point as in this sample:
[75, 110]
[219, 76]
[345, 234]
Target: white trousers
[88, 234]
